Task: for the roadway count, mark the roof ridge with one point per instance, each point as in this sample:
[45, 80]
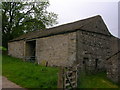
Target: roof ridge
[69, 27]
[75, 21]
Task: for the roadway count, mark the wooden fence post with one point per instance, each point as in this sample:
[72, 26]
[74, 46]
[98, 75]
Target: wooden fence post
[60, 78]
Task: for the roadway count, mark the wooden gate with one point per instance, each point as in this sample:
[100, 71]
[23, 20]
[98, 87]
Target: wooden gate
[67, 78]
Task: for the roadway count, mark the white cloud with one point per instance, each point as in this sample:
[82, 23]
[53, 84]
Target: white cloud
[73, 10]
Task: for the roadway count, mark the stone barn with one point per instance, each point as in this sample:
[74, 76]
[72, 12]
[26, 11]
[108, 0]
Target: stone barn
[87, 42]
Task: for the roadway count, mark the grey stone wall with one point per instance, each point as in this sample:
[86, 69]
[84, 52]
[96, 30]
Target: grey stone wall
[16, 49]
[58, 50]
[113, 69]
[92, 50]
[113, 64]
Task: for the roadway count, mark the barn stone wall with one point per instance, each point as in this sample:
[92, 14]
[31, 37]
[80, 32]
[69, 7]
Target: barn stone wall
[58, 50]
[113, 64]
[16, 49]
[92, 51]
[113, 68]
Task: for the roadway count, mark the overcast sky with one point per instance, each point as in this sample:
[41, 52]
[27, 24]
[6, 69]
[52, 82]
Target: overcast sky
[73, 10]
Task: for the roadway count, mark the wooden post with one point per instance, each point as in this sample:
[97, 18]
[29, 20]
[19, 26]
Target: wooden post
[60, 78]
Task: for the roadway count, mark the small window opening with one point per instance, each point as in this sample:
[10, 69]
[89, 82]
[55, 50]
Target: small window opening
[96, 63]
[85, 60]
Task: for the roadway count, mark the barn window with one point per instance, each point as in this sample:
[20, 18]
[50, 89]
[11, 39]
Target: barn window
[85, 59]
[96, 63]
[83, 62]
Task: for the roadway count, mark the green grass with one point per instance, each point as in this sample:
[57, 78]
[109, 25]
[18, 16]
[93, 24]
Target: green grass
[29, 75]
[98, 80]
[3, 48]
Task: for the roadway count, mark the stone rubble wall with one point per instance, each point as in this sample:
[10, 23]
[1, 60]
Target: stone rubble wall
[113, 64]
[92, 47]
[58, 50]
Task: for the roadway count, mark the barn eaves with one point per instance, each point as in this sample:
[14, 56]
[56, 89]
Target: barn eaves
[90, 24]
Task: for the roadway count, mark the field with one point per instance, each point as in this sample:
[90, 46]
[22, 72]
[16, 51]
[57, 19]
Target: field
[29, 75]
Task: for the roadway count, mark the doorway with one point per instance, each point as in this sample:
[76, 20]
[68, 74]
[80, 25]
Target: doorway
[31, 50]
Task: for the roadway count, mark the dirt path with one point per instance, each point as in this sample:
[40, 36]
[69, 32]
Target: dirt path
[8, 84]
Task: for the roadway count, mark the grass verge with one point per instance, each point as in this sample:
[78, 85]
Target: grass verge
[28, 75]
[98, 80]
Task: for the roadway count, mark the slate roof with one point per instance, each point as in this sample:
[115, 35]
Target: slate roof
[92, 24]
